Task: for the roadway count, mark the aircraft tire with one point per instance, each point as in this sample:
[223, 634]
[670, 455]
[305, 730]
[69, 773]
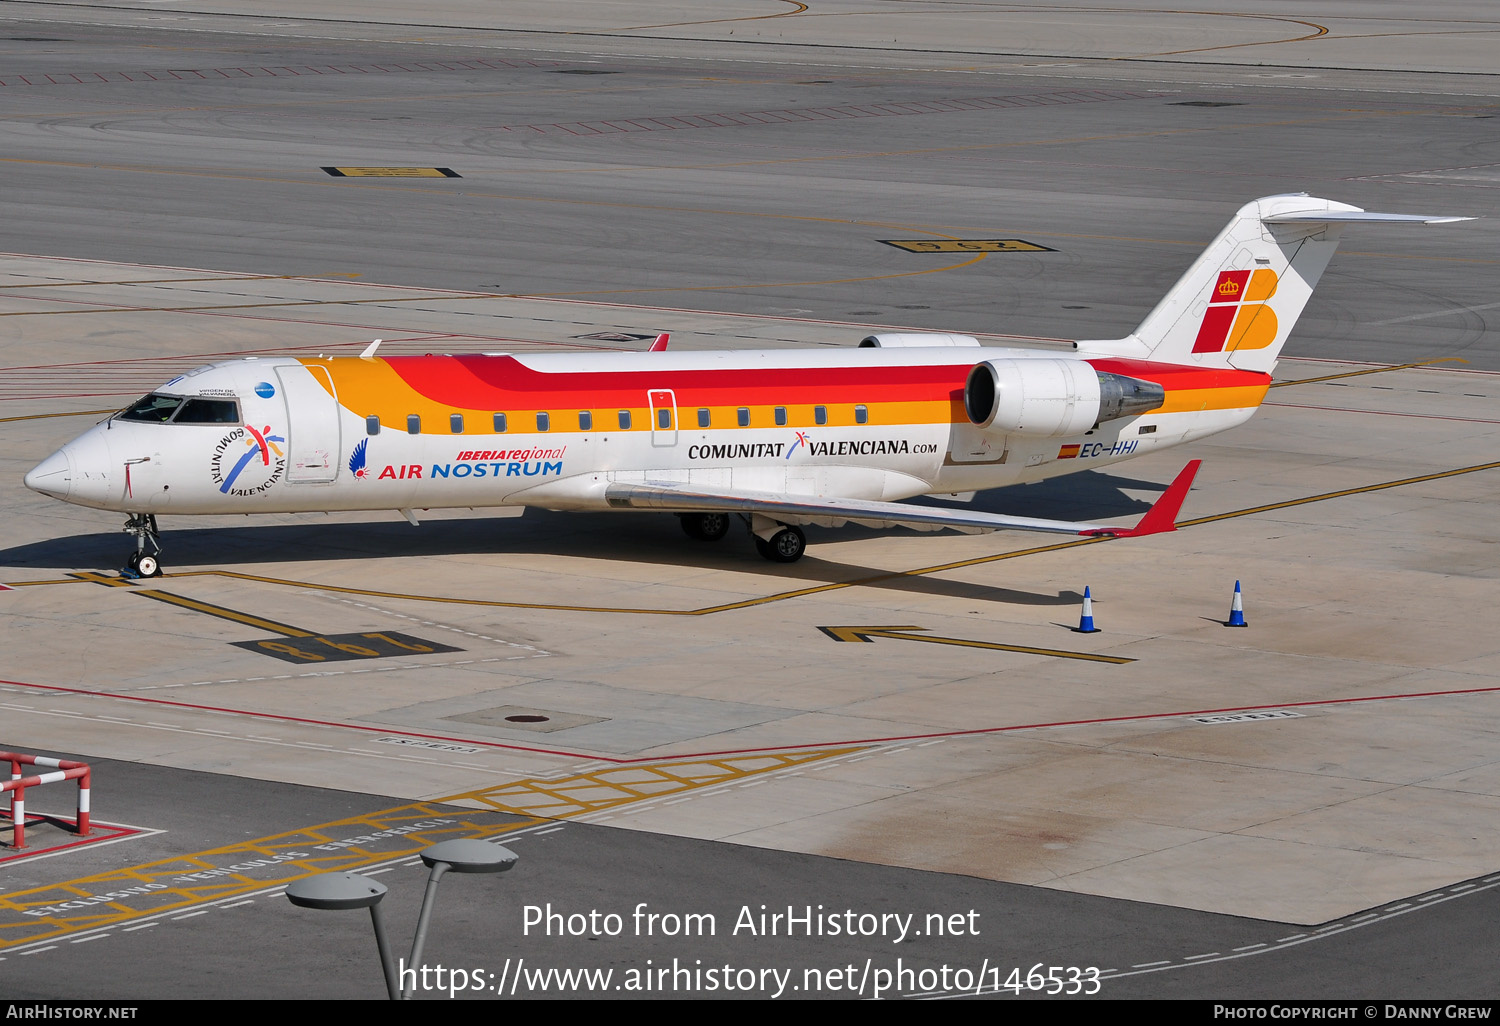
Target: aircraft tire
[708, 527]
[147, 566]
[785, 546]
[712, 526]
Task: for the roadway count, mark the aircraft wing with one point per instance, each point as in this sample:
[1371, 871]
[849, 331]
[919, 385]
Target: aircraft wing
[683, 498]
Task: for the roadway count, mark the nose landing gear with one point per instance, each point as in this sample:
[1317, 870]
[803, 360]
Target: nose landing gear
[142, 563]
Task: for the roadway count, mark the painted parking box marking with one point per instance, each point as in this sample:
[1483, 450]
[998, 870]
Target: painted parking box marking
[966, 246]
[392, 172]
[321, 648]
[307, 646]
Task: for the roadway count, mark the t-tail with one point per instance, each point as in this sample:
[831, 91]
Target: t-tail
[1241, 298]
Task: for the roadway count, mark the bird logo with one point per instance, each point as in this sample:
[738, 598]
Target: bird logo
[357, 460]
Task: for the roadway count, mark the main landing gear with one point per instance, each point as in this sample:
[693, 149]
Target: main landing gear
[704, 526]
[775, 541]
[785, 546]
[142, 563]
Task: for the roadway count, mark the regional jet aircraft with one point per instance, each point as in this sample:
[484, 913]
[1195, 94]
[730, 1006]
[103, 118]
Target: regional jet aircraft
[780, 438]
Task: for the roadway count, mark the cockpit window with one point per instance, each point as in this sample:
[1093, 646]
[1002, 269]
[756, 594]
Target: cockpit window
[208, 411]
[153, 409]
[158, 408]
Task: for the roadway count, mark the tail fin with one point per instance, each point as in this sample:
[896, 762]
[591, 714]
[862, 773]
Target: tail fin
[1241, 298]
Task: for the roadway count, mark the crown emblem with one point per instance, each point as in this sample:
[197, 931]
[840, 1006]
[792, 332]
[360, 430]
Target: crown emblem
[1229, 288]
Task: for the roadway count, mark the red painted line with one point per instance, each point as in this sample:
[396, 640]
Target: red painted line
[99, 832]
[681, 756]
[280, 718]
[1143, 717]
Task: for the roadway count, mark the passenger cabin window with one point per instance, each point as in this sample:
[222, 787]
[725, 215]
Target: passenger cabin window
[624, 420]
[372, 425]
[861, 415]
[456, 423]
[781, 416]
[208, 411]
[153, 409]
[543, 422]
[703, 418]
[585, 420]
[413, 424]
[664, 418]
[820, 414]
[744, 416]
[500, 423]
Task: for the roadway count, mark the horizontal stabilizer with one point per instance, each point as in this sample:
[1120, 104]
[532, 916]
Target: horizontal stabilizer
[1356, 217]
[1236, 306]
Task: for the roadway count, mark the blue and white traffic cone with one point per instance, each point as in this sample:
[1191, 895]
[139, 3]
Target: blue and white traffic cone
[1086, 621]
[1236, 610]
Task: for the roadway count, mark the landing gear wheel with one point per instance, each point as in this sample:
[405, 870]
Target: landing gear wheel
[705, 526]
[142, 563]
[785, 546]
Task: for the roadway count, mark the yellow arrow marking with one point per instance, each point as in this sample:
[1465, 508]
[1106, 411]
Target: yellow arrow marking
[869, 634]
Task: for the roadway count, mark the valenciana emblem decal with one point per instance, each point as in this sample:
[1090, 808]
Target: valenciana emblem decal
[251, 470]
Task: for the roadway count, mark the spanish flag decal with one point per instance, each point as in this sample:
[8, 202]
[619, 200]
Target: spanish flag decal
[1068, 452]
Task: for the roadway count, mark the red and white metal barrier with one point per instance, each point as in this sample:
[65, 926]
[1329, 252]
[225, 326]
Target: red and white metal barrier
[18, 784]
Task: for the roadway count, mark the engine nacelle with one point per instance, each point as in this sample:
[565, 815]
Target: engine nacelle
[914, 340]
[1052, 398]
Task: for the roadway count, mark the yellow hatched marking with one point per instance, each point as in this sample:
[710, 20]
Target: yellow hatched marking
[613, 787]
[178, 884]
[122, 895]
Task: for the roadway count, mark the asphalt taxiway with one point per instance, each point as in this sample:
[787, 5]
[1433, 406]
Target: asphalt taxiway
[1270, 812]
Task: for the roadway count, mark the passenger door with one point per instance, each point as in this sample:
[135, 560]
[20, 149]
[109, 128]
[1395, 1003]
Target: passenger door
[313, 437]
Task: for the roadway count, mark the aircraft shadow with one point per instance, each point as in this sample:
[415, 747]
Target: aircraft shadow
[631, 537]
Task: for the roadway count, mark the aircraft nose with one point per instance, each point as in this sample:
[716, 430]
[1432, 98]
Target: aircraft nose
[53, 476]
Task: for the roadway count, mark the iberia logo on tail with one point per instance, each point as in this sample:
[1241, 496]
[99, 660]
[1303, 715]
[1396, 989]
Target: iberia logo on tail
[1238, 316]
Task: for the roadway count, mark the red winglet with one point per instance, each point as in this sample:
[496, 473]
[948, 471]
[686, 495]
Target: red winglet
[660, 344]
[1162, 516]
